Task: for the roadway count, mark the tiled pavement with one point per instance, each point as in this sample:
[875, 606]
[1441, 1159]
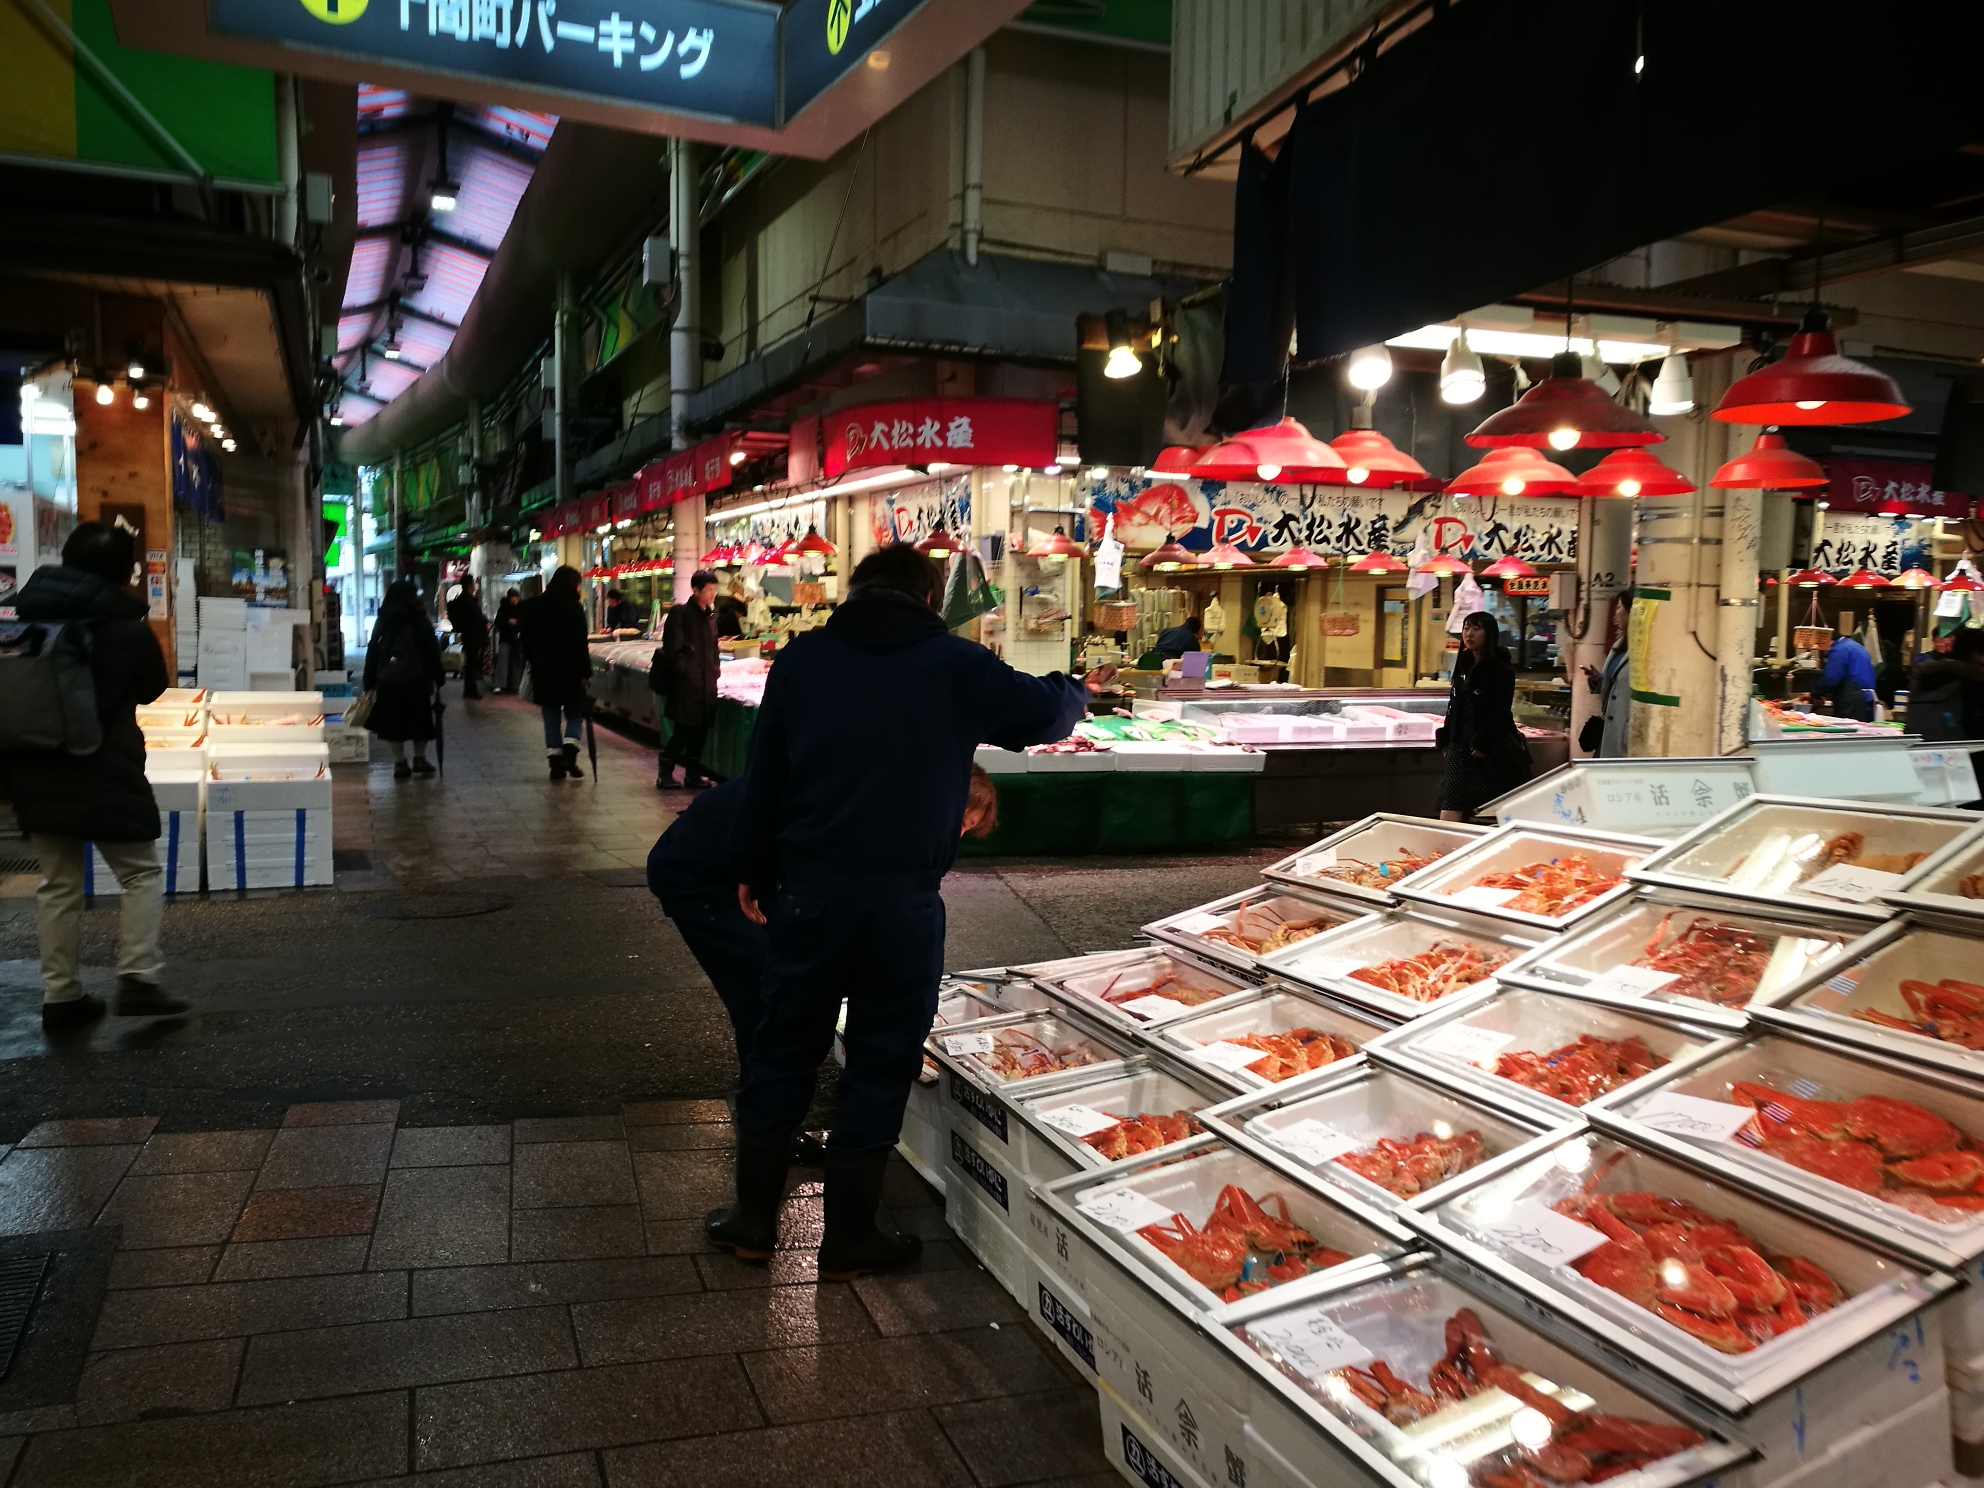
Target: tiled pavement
[343, 1300]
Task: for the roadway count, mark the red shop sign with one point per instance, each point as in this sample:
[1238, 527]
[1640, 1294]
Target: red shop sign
[624, 501]
[1862, 483]
[650, 493]
[713, 462]
[563, 519]
[952, 431]
[592, 510]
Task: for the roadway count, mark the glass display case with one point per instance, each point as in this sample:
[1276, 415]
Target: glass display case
[1645, 797]
[1547, 878]
[1365, 859]
[1403, 962]
[1949, 882]
[1097, 1123]
[1280, 1036]
[1017, 1053]
[1141, 988]
[1242, 928]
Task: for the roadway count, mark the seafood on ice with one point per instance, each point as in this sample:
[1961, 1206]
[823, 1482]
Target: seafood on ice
[1442, 968]
[1971, 886]
[1379, 875]
[1720, 963]
[1552, 887]
[1892, 1149]
[1949, 1010]
[1018, 1055]
[1170, 985]
[1284, 1055]
[1581, 1070]
[1245, 1245]
[1259, 928]
[1409, 1167]
[1580, 1446]
[1782, 861]
[1134, 1135]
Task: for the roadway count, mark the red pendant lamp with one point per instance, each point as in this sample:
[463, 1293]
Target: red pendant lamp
[1178, 459]
[1515, 470]
[1056, 549]
[1225, 555]
[1961, 582]
[1769, 466]
[716, 557]
[1169, 557]
[812, 545]
[1809, 578]
[1864, 578]
[1633, 472]
[1378, 563]
[1371, 459]
[1300, 560]
[1445, 566]
[1914, 578]
[1813, 384]
[1281, 452]
[939, 545]
[1508, 566]
[1566, 410]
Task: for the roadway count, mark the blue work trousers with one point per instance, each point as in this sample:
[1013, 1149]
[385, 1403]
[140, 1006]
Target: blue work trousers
[731, 951]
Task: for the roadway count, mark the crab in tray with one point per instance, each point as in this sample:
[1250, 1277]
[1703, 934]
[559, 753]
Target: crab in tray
[1245, 1246]
[1438, 971]
[1132, 1136]
[1267, 924]
[1947, 1010]
[1873, 1144]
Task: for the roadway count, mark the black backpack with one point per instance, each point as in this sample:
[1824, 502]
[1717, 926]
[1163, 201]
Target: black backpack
[403, 666]
[47, 691]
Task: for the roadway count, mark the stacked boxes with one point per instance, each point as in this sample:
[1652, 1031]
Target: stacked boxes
[175, 729]
[271, 636]
[223, 642]
[185, 618]
[268, 816]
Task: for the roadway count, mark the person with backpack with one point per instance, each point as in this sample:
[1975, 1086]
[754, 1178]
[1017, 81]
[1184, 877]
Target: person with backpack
[555, 646]
[74, 670]
[402, 669]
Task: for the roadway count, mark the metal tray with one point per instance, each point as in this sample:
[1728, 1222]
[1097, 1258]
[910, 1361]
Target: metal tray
[1372, 840]
[1331, 961]
[1935, 883]
[1279, 1008]
[1452, 883]
[1081, 983]
[1257, 909]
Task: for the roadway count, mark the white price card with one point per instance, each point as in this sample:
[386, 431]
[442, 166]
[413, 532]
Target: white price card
[1309, 1342]
[1477, 897]
[1198, 924]
[1631, 981]
[1317, 861]
[1331, 966]
[959, 1044]
[1691, 1116]
[1078, 1120]
[1123, 1209]
[1465, 1042]
[1230, 1056]
[1854, 885]
[1152, 1007]
[1541, 1232]
[1312, 1141]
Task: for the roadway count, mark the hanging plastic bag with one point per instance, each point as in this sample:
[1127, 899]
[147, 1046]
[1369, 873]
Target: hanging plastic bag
[1467, 600]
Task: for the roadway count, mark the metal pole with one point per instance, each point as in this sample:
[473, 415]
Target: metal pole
[561, 392]
[974, 154]
[399, 515]
[685, 349]
[1736, 617]
[1605, 555]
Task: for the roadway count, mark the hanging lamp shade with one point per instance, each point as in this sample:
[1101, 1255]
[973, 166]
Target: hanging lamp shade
[716, 556]
[1914, 578]
[1566, 410]
[1508, 566]
[1178, 459]
[1632, 472]
[1864, 578]
[1300, 560]
[1171, 556]
[1961, 582]
[1225, 555]
[1285, 452]
[1813, 384]
[1371, 459]
[1056, 549]
[1445, 566]
[1378, 563]
[1769, 466]
[939, 544]
[1515, 470]
[813, 545]
[1809, 578]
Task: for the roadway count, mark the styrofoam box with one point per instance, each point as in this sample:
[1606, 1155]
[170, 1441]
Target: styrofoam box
[161, 736]
[1911, 1447]
[1167, 1389]
[268, 761]
[1209, 757]
[1061, 1313]
[1139, 1453]
[926, 1134]
[999, 761]
[1133, 754]
[987, 1236]
[224, 611]
[347, 746]
[164, 715]
[1087, 763]
[272, 848]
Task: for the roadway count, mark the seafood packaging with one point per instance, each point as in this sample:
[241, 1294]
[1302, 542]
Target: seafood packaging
[1280, 1036]
[1688, 954]
[1135, 989]
[1535, 876]
[966, 1000]
[1402, 961]
[1533, 1051]
[1133, 1114]
[1012, 1049]
[1834, 856]
[1949, 882]
[1243, 927]
[1365, 860]
[1445, 1388]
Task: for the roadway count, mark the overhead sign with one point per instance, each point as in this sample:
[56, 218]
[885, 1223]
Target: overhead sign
[1863, 485]
[712, 57]
[946, 431]
[824, 38]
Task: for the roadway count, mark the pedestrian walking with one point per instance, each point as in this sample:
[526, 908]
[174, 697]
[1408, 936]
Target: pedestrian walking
[509, 649]
[67, 801]
[859, 775]
[402, 669]
[472, 627]
[683, 673]
[1607, 734]
[1487, 754]
[553, 629]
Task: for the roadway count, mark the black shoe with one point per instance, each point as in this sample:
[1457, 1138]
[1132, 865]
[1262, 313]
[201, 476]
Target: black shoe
[748, 1229]
[71, 1014]
[696, 782]
[808, 1151]
[852, 1246]
[557, 763]
[141, 999]
[402, 770]
[422, 765]
[572, 762]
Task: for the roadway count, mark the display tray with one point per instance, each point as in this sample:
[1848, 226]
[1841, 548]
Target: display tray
[1441, 1340]
[1837, 857]
[1404, 962]
[1887, 1148]
[1688, 955]
[1547, 878]
[1508, 1218]
[1947, 882]
[1143, 988]
[1364, 860]
[1384, 1135]
[1240, 929]
[1147, 1109]
[1018, 1053]
[1540, 1054]
[1294, 1034]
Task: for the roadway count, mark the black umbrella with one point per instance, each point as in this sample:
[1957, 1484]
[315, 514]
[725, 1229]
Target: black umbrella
[440, 738]
[592, 742]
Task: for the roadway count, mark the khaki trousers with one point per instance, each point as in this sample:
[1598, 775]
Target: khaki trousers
[60, 900]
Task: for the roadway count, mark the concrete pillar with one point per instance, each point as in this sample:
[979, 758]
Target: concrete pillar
[399, 516]
[1605, 557]
[1736, 626]
[563, 348]
[685, 349]
[1673, 631]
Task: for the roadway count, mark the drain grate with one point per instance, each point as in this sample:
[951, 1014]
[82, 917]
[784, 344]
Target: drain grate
[433, 906]
[20, 1284]
[19, 865]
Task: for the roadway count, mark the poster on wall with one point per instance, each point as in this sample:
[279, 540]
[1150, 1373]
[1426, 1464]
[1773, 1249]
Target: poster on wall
[912, 513]
[1887, 545]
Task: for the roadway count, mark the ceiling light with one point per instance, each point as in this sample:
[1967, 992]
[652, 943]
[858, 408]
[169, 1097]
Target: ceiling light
[1508, 566]
[1010, 469]
[1513, 470]
[1674, 389]
[446, 196]
[1864, 578]
[1444, 566]
[392, 351]
[1915, 578]
[1123, 361]
[1282, 451]
[623, 523]
[1300, 560]
[814, 545]
[737, 457]
[1377, 563]
[1099, 472]
[140, 401]
[1596, 371]
[1810, 578]
[1632, 472]
[1370, 457]
[939, 544]
[1566, 410]
[1054, 469]
[1179, 459]
[1058, 548]
[337, 421]
[1769, 466]
[1461, 377]
[105, 393]
[1961, 582]
[1169, 556]
[228, 445]
[217, 431]
[1813, 384]
[136, 371]
[1225, 555]
[879, 60]
[1369, 368]
[203, 413]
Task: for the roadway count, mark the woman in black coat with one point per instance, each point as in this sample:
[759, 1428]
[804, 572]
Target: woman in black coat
[684, 671]
[1486, 753]
[554, 641]
[402, 669]
[509, 653]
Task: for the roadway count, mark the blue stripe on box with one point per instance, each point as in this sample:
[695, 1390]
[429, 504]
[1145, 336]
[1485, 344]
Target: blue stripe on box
[302, 816]
[240, 852]
[89, 870]
[172, 853]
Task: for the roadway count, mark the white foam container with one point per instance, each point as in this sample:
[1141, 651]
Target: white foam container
[1279, 1008]
[1331, 960]
[1373, 840]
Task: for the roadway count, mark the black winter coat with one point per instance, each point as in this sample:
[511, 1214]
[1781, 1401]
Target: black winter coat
[1487, 754]
[506, 621]
[685, 667]
[470, 623]
[103, 796]
[554, 642]
[402, 710]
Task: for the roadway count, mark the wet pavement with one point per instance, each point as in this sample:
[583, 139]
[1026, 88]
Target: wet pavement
[412, 1196]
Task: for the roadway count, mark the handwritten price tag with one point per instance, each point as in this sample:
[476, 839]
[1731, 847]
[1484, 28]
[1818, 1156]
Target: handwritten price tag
[1123, 1209]
[1151, 1007]
[1078, 1121]
[1541, 1232]
[1227, 1056]
[1854, 885]
[1312, 1141]
[1317, 861]
[1198, 924]
[960, 1044]
[1330, 966]
[1476, 897]
[1690, 1116]
[1309, 1342]
[1466, 1043]
[1631, 981]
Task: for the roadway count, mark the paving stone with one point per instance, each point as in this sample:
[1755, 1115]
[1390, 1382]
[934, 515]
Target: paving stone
[110, 1131]
[327, 1157]
[125, 1384]
[571, 1470]
[229, 1309]
[578, 1410]
[682, 1185]
[929, 1301]
[885, 1374]
[674, 1112]
[308, 1213]
[342, 1113]
[176, 1208]
[450, 1146]
[723, 1272]
[477, 1288]
[904, 1450]
[716, 1322]
[411, 1351]
[801, 1221]
[443, 1217]
[285, 1446]
[676, 1237]
[150, 1268]
[927, 1223]
[258, 1260]
[557, 1174]
[1024, 1438]
[10, 1451]
[58, 1188]
[203, 1152]
[570, 1129]
[38, 1418]
[576, 1234]
[682, 1138]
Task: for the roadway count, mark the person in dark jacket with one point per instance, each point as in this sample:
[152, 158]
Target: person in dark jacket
[859, 775]
[1175, 642]
[623, 613]
[66, 802]
[1846, 683]
[472, 627]
[684, 673]
[554, 640]
[1486, 753]
[402, 669]
[1946, 692]
[509, 651]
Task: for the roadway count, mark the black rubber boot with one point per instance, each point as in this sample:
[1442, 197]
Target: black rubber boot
[749, 1228]
[852, 1245]
[572, 762]
[557, 762]
[808, 1151]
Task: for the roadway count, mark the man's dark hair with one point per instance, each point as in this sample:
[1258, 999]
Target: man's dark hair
[901, 568]
[701, 577]
[103, 550]
[614, 594]
[1193, 624]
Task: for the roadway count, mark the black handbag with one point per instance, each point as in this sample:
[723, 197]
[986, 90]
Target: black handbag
[1592, 734]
